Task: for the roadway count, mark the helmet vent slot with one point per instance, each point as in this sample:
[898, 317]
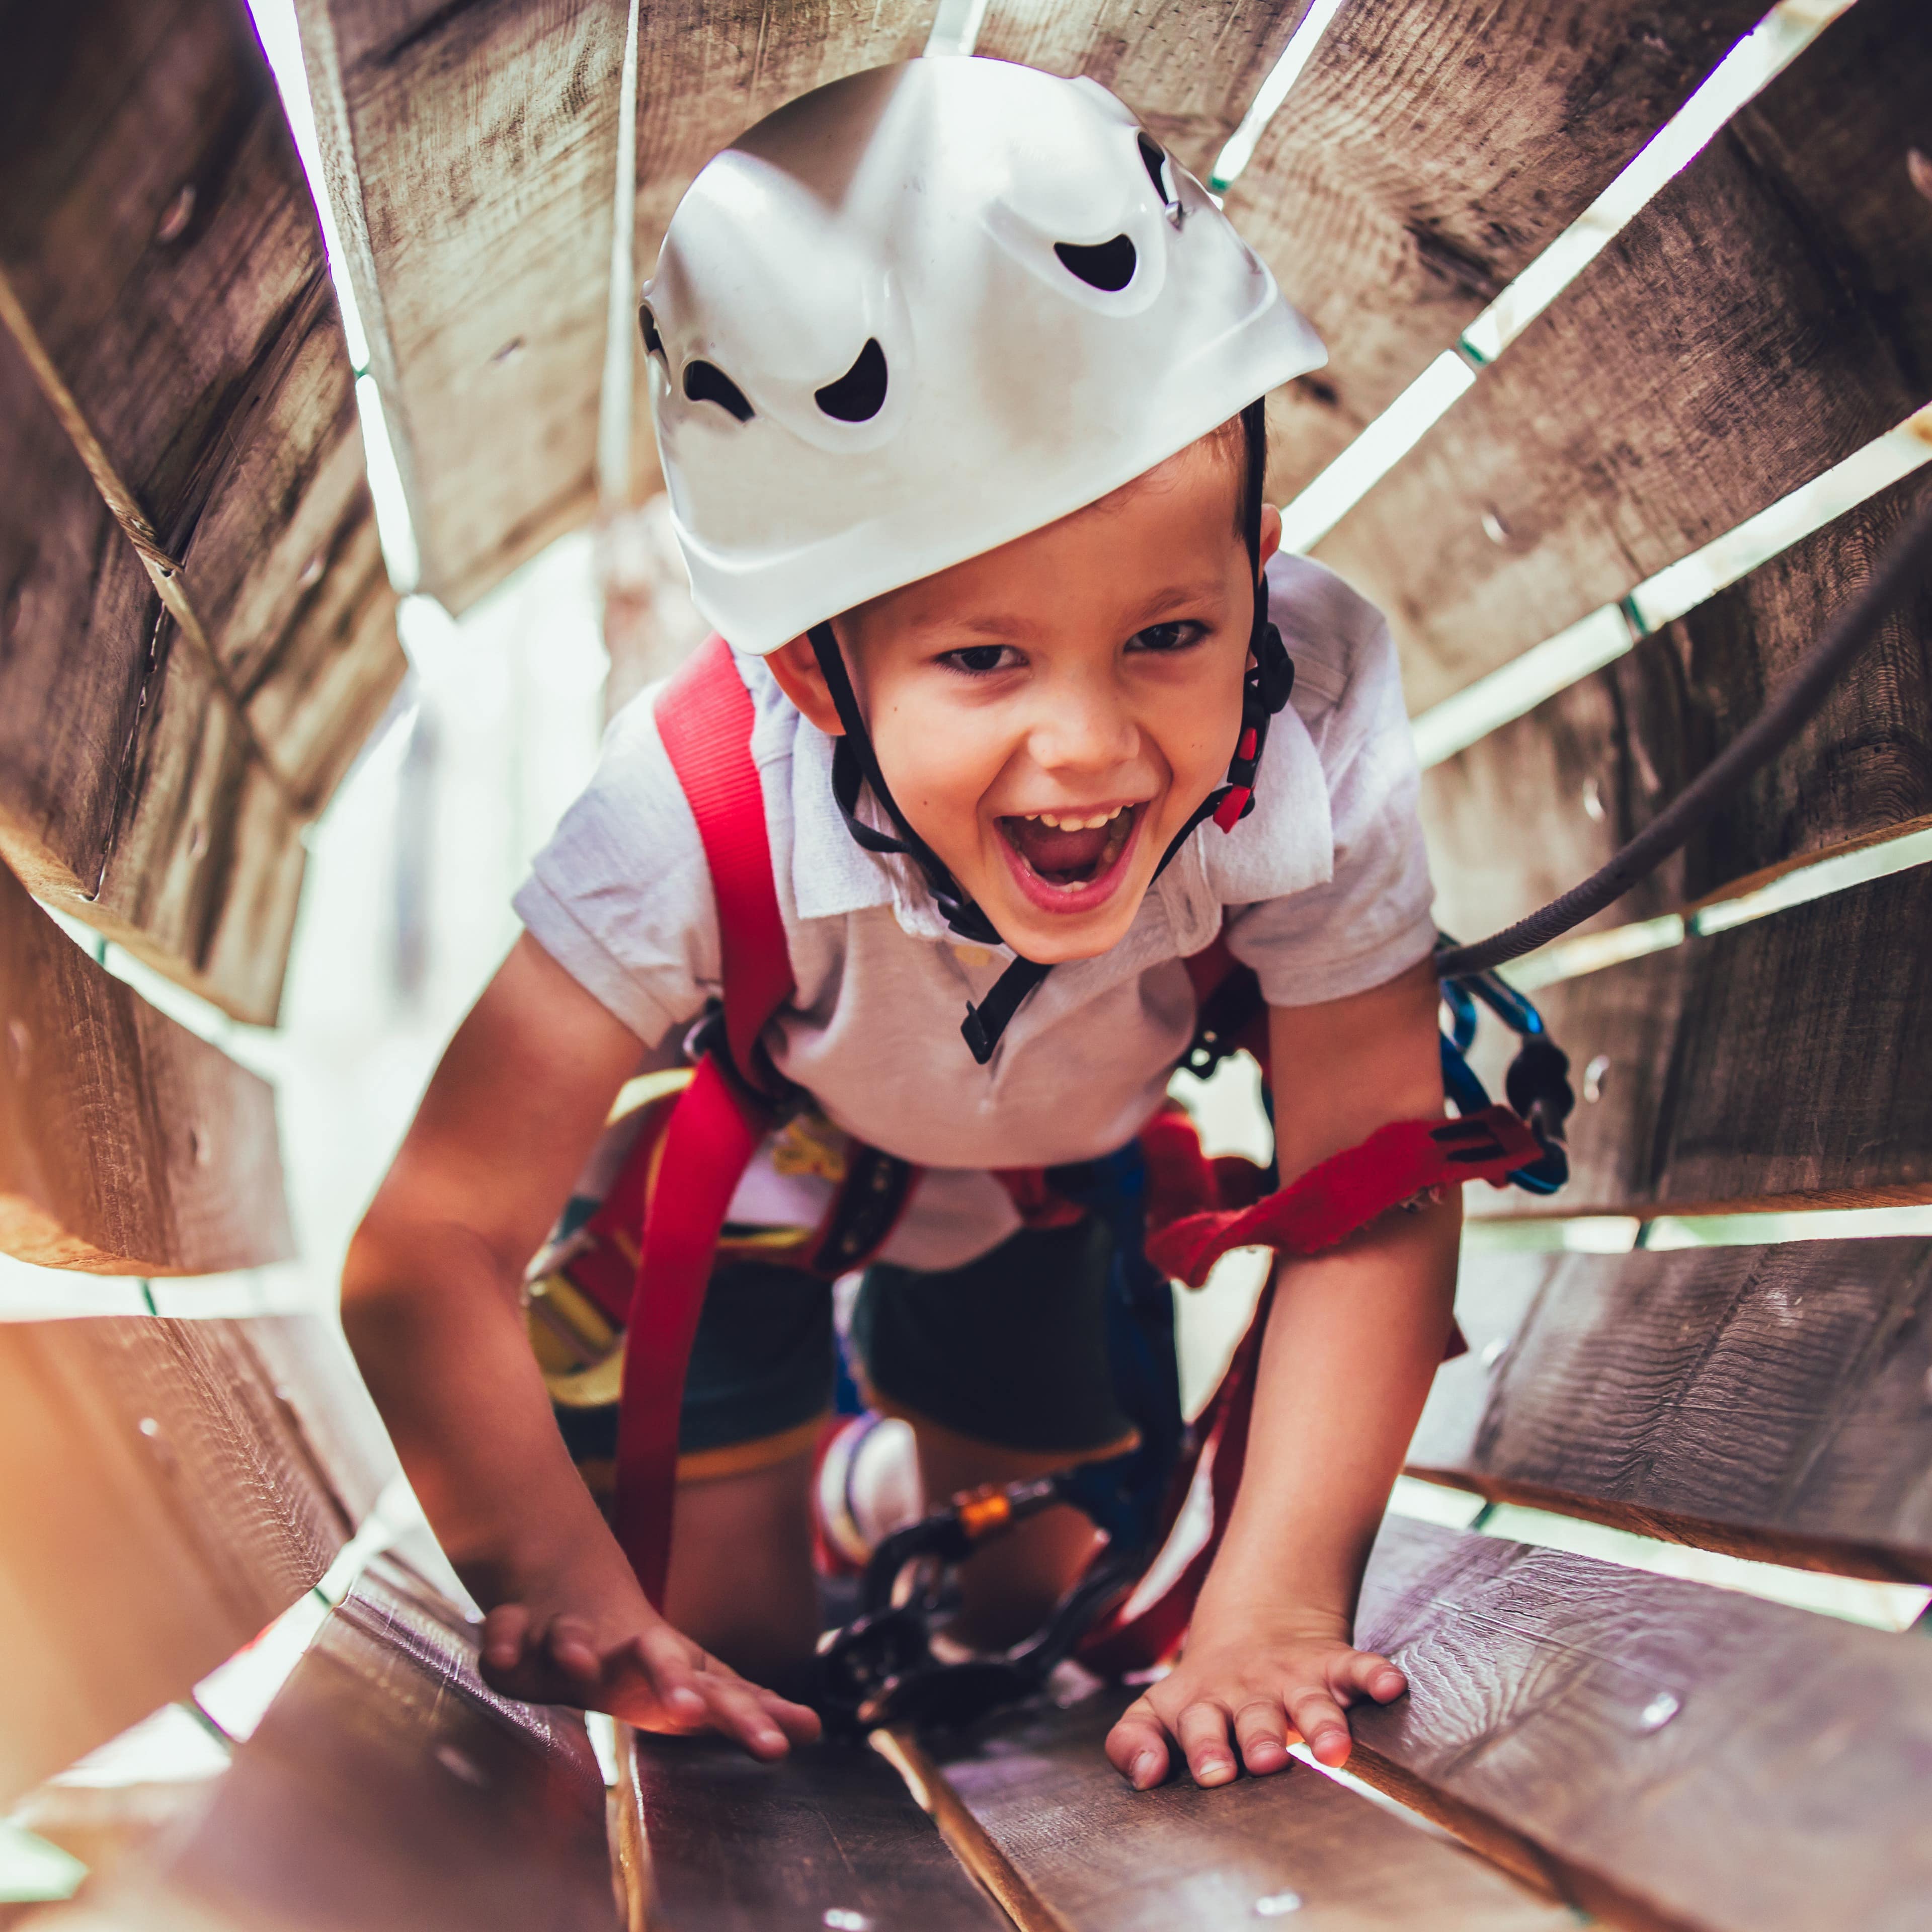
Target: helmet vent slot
[1106, 264]
[705, 382]
[1155, 162]
[859, 394]
[648, 322]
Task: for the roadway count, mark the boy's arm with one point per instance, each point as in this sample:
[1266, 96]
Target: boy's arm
[1354, 1338]
[430, 1304]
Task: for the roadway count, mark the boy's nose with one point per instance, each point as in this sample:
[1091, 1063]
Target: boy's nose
[1083, 727]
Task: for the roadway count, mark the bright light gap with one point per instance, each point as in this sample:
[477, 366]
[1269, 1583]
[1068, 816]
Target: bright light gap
[1770, 47]
[1859, 1600]
[281, 42]
[1592, 642]
[955, 27]
[1241, 146]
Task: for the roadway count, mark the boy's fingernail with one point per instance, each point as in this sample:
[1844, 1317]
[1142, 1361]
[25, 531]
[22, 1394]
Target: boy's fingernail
[686, 1699]
[1143, 1769]
[1213, 1770]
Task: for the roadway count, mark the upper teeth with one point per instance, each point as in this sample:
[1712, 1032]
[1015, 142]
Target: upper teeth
[1069, 823]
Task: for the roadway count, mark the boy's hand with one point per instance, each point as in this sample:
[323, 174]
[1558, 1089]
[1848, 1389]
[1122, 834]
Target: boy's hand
[1238, 1700]
[620, 1656]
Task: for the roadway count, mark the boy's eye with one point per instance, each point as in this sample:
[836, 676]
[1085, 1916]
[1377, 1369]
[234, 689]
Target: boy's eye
[978, 659]
[1176, 636]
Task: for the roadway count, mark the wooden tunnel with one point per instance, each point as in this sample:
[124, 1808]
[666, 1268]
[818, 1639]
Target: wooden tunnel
[197, 633]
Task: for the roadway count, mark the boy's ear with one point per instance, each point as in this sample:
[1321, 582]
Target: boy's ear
[1271, 532]
[795, 666]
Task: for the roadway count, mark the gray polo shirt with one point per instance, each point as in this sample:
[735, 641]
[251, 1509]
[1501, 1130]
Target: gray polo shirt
[1323, 890]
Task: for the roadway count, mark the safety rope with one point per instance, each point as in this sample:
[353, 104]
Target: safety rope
[1904, 566]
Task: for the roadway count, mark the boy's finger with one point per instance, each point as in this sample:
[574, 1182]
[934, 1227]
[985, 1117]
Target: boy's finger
[800, 1722]
[1377, 1675]
[572, 1648]
[1137, 1746]
[1318, 1718]
[1202, 1731]
[504, 1631]
[736, 1712]
[1261, 1729]
[665, 1658]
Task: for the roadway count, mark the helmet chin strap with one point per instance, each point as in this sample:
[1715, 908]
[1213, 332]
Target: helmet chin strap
[1264, 690]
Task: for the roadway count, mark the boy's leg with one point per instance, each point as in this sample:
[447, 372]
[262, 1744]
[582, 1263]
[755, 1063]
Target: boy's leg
[1001, 1368]
[741, 1580]
[757, 1392]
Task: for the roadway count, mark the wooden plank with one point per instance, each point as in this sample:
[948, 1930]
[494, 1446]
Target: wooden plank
[1427, 155]
[1188, 70]
[705, 74]
[385, 1786]
[1595, 764]
[830, 1830]
[1673, 1756]
[1777, 1065]
[164, 288]
[473, 150]
[162, 252]
[1769, 313]
[128, 1146]
[130, 796]
[161, 1505]
[1101, 1857]
[1769, 1401]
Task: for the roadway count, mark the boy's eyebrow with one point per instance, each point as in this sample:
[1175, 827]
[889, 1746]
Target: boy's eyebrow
[1007, 628]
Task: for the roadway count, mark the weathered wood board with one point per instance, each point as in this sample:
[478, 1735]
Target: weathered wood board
[1426, 155]
[161, 1505]
[172, 350]
[127, 1145]
[386, 1785]
[1099, 1856]
[1590, 768]
[472, 156]
[1769, 1401]
[1669, 1755]
[159, 241]
[1778, 1064]
[1189, 71]
[829, 1836]
[1768, 313]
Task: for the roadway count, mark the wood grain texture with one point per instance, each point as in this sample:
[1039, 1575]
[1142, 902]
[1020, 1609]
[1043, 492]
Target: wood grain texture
[1102, 1857]
[1426, 156]
[1776, 1065]
[831, 1828]
[472, 154]
[160, 1506]
[386, 1786]
[1592, 767]
[1672, 1755]
[1189, 71]
[1769, 313]
[128, 1146]
[1769, 1401]
[165, 291]
[160, 242]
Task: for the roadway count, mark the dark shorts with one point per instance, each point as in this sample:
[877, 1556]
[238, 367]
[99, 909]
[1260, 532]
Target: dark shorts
[1010, 1350]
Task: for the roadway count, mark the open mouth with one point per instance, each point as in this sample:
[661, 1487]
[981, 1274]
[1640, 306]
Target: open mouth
[1065, 862]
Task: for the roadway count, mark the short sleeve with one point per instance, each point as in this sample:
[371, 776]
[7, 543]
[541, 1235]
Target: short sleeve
[621, 896]
[1370, 920]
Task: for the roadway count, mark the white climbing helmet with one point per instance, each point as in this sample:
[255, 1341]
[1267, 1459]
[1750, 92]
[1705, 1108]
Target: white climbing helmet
[922, 310]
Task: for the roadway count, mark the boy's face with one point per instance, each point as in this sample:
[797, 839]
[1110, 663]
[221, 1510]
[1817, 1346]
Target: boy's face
[1048, 716]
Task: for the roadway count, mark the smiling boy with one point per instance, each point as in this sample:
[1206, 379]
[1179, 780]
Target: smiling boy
[955, 374]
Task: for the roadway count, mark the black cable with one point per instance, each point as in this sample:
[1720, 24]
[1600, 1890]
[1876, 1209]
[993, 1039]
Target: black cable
[1906, 561]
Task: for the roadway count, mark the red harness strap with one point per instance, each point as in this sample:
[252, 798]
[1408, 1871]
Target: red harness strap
[704, 717]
